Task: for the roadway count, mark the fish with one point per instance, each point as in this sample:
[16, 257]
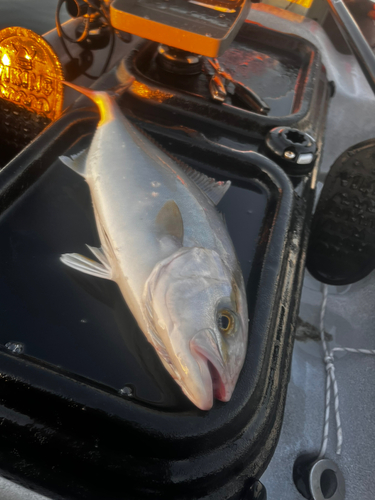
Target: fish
[167, 247]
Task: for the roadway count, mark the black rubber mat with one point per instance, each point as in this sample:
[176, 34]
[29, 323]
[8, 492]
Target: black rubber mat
[342, 241]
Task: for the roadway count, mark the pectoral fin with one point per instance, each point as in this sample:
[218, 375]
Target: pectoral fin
[76, 162]
[88, 266]
[169, 221]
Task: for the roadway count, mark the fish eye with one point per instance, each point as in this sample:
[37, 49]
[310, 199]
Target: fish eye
[226, 322]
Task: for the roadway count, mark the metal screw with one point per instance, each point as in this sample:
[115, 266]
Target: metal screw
[289, 155]
[305, 159]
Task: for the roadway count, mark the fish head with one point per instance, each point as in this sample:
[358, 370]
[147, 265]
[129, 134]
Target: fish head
[198, 315]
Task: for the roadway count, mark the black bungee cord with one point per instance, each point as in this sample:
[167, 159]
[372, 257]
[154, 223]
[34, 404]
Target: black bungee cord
[63, 36]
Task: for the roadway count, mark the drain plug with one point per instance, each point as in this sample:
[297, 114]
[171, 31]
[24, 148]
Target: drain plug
[296, 150]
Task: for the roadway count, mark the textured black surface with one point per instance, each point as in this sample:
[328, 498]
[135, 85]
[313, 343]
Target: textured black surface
[18, 127]
[342, 243]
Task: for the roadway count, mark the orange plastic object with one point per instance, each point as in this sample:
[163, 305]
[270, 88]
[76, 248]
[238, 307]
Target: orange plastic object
[199, 27]
[304, 3]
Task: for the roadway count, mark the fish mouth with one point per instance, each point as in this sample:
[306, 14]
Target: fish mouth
[212, 366]
[219, 387]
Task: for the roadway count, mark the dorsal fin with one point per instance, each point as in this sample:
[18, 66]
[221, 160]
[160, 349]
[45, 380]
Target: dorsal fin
[215, 190]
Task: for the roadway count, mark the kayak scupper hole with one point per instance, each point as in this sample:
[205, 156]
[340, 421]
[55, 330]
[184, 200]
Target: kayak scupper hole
[328, 483]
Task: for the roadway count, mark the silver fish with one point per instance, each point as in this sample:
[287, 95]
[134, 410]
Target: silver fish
[168, 249]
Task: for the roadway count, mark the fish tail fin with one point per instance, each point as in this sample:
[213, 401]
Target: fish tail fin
[105, 102]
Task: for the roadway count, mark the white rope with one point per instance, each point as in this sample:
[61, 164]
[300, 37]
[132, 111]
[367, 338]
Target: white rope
[331, 380]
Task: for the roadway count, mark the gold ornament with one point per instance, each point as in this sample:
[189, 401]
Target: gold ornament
[30, 72]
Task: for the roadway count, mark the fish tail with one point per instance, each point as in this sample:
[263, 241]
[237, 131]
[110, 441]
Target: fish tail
[106, 104]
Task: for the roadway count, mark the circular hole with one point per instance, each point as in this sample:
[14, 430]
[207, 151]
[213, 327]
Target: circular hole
[72, 8]
[295, 137]
[76, 8]
[328, 483]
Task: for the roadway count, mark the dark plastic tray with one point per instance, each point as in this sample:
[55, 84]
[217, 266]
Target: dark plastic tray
[283, 69]
[79, 323]
[66, 428]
